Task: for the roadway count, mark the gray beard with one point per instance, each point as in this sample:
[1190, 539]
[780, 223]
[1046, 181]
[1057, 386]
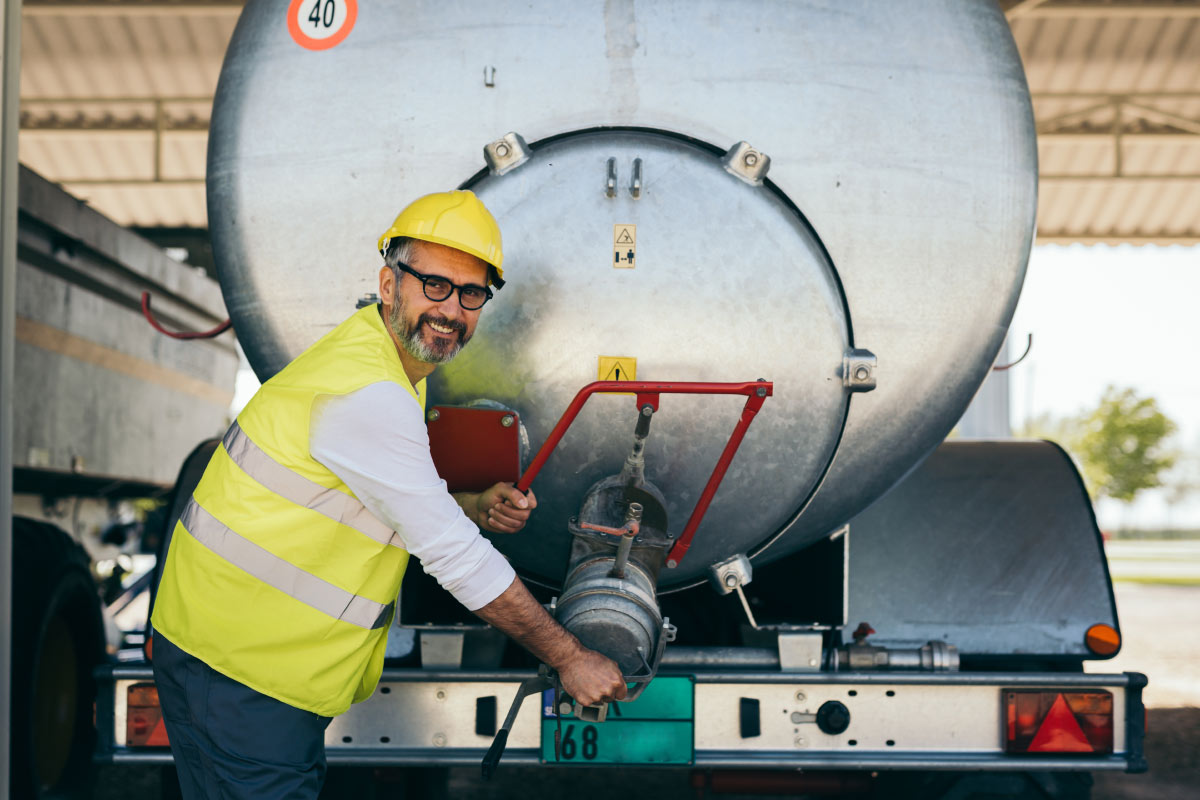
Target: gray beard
[415, 345]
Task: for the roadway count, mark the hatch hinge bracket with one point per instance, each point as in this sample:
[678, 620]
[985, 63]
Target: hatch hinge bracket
[506, 153]
[747, 164]
[858, 370]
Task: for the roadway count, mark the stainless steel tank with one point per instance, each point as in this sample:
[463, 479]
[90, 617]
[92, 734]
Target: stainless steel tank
[885, 202]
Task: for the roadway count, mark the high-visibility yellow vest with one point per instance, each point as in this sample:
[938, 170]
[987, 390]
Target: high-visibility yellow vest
[277, 576]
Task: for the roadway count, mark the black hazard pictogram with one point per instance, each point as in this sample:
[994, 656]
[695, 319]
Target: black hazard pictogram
[617, 368]
[624, 245]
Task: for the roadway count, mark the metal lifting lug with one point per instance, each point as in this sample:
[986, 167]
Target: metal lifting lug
[858, 370]
[506, 153]
[747, 164]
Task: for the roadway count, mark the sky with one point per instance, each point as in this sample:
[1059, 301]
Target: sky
[1126, 316]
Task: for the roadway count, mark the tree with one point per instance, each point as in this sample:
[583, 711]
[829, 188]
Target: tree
[1121, 444]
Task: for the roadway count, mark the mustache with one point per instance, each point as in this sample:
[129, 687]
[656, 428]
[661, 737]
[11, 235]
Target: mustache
[457, 325]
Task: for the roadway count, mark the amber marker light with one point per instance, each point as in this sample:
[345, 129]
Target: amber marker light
[1103, 640]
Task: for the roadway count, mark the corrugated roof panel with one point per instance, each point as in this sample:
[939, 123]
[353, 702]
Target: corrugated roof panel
[115, 55]
[1109, 211]
[1093, 61]
[1083, 210]
[167, 205]
[1072, 63]
[1105, 210]
[94, 155]
[184, 154]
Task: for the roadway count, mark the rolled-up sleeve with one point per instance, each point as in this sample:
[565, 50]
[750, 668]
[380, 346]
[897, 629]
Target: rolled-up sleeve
[375, 440]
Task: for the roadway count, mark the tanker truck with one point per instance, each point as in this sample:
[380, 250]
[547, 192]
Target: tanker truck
[761, 257]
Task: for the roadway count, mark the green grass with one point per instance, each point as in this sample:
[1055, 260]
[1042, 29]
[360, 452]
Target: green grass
[1171, 534]
[1158, 579]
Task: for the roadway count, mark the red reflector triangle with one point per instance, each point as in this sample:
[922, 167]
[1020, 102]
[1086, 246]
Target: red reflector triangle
[158, 737]
[1060, 732]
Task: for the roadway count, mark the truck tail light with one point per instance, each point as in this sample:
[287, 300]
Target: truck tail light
[1047, 721]
[143, 720]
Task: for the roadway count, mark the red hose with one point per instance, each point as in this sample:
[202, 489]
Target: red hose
[217, 331]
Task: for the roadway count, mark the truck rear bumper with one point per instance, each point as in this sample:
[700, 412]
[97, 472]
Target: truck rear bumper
[740, 720]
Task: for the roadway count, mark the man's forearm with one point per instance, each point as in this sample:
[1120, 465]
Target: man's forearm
[586, 675]
[469, 503]
[523, 618]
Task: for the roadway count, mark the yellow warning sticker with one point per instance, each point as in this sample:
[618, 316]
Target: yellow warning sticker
[617, 368]
[624, 246]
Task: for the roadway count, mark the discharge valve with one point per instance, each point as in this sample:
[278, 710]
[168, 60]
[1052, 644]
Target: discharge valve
[609, 595]
[620, 543]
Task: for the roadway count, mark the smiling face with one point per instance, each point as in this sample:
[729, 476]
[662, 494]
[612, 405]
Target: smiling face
[427, 332]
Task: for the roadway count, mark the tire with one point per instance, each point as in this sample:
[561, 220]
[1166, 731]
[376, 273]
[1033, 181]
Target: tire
[58, 640]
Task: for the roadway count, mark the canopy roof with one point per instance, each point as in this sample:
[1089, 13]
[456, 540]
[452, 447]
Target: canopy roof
[115, 97]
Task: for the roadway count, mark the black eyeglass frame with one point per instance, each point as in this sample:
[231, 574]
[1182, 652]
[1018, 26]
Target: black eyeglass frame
[425, 279]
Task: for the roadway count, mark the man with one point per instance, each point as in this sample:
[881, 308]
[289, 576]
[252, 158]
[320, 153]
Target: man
[281, 578]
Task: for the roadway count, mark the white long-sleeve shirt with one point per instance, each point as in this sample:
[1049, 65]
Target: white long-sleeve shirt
[375, 440]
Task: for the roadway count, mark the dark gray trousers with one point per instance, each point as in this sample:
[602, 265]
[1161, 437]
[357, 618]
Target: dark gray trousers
[230, 741]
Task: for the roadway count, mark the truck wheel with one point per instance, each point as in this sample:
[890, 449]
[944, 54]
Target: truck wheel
[57, 640]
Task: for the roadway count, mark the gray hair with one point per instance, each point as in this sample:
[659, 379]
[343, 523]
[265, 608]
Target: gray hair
[399, 250]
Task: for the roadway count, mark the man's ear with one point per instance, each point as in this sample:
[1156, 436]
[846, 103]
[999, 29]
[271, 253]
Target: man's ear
[387, 285]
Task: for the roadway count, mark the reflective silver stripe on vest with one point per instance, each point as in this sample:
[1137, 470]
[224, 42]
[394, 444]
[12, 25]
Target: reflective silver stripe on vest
[287, 578]
[337, 506]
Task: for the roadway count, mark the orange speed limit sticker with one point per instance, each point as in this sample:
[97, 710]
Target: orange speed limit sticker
[321, 24]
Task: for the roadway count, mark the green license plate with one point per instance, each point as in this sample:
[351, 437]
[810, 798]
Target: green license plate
[657, 728]
[619, 742]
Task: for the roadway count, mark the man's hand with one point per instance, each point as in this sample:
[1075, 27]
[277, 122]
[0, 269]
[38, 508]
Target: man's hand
[586, 675]
[500, 509]
[592, 678]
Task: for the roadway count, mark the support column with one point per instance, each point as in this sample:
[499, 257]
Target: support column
[10, 89]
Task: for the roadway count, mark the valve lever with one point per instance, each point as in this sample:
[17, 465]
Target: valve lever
[745, 605]
[536, 685]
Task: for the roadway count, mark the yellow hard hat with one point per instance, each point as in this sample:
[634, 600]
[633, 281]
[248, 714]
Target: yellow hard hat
[455, 219]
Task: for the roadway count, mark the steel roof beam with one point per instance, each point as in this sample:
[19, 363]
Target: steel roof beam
[1090, 136]
[69, 182]
[82, 124]
[91, 8]
[1064, 237]
[1022, 8]
[1096, 9]
[1179, 94]
[1125, 177]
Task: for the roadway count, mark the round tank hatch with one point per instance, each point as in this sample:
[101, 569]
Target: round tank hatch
[638, 251]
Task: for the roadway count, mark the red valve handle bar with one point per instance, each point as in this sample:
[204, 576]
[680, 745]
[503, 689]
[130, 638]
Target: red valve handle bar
[631, 528]
[647, 392]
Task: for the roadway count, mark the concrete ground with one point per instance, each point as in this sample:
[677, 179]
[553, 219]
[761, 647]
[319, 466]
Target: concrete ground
[1160, 629]
[1160, 625]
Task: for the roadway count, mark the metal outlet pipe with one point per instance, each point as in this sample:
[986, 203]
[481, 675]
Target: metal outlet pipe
[721, 658]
